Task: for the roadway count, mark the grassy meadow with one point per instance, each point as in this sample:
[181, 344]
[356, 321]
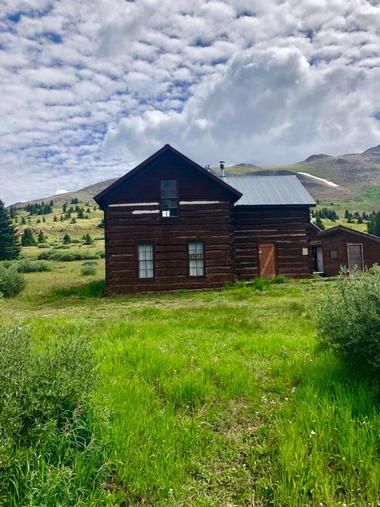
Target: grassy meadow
[213, 398]
[204, 399]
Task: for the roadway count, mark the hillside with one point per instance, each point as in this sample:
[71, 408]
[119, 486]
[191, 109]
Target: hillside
[353, 179]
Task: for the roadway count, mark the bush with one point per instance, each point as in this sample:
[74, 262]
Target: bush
[46, 422]
[279, 279]
[11, 282]
[261, 283]
[26, 266]
[66, 256]
[88, 269]
[349, 319]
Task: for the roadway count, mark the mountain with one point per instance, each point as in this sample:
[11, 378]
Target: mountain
[353, 177]
[83, 195]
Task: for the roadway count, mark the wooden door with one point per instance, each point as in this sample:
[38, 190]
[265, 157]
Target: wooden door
[267, 256]
[355, 257]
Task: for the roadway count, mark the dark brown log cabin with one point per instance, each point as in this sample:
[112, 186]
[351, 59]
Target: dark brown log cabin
[345, 247]
[172, 224]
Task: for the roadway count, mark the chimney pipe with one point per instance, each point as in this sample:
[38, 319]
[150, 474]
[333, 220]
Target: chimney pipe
[221, 166]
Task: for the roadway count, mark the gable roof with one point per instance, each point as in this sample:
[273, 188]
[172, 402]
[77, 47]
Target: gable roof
[166, 148]
[270, 191]
[343, 228]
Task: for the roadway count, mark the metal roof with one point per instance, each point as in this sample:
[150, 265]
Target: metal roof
[270, 190]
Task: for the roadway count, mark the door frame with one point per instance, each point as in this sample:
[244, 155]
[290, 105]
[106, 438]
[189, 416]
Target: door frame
[361, 255]
[275, 255]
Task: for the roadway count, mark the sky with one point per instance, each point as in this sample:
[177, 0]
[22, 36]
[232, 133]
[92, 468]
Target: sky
[90, 88]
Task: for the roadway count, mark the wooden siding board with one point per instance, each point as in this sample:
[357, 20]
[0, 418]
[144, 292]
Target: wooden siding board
[339, 241]
[287, 229]
[212, 224]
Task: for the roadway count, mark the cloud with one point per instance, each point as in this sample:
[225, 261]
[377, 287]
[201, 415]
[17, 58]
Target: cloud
[88, 92]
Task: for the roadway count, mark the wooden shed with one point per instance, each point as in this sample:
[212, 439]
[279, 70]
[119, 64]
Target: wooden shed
[354, 250]
[172, 224]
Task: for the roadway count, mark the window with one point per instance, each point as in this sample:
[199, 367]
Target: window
[305, 251]
[145, 260]
[196, 258]
[169, 203]
[333, 254]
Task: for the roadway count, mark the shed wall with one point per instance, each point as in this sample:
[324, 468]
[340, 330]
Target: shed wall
[286, 227]
[339, 241]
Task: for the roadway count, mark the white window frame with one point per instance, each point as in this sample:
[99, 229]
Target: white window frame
[170, 196]
[196, 255]
[145, 261]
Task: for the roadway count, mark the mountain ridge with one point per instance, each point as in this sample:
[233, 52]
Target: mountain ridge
[326, 177]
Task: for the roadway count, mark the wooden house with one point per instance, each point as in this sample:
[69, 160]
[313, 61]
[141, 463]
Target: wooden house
[172, 224]
[346, 247]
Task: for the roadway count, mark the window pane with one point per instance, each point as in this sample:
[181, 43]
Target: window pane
[168, 189]
[145, 260]
[169, 207]
[196, 258]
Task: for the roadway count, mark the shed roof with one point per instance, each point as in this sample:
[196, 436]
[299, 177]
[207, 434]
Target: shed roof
[270, 191]
[349, 230]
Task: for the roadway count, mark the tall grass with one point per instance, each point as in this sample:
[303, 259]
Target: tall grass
[213, 398]
[49, 451]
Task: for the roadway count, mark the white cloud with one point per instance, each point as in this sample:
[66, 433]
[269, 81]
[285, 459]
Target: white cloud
[87, 92]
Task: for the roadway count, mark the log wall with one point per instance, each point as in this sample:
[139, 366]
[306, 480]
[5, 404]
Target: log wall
[338, 242]
[286, 227]
[209, 223]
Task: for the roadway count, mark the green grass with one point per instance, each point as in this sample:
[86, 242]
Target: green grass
[213, 398]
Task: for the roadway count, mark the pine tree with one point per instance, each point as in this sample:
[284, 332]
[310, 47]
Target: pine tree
[9, 243]
[374, 224]
[28, 238]
[87, 239]
[66, 239]
[319, 223]
[23, 221]
[41, 237]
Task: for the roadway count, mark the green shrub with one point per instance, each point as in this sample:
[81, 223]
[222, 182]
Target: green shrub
[279, 279]
[88, 270]
[349, 319]
[66, 256]
[26, 266]
[48, 448]
[11, 282]
[259, 283]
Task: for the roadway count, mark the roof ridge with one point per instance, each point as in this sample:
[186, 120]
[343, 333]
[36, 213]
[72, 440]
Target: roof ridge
[166, 147]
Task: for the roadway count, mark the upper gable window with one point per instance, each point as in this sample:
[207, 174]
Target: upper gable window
[169, 198]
